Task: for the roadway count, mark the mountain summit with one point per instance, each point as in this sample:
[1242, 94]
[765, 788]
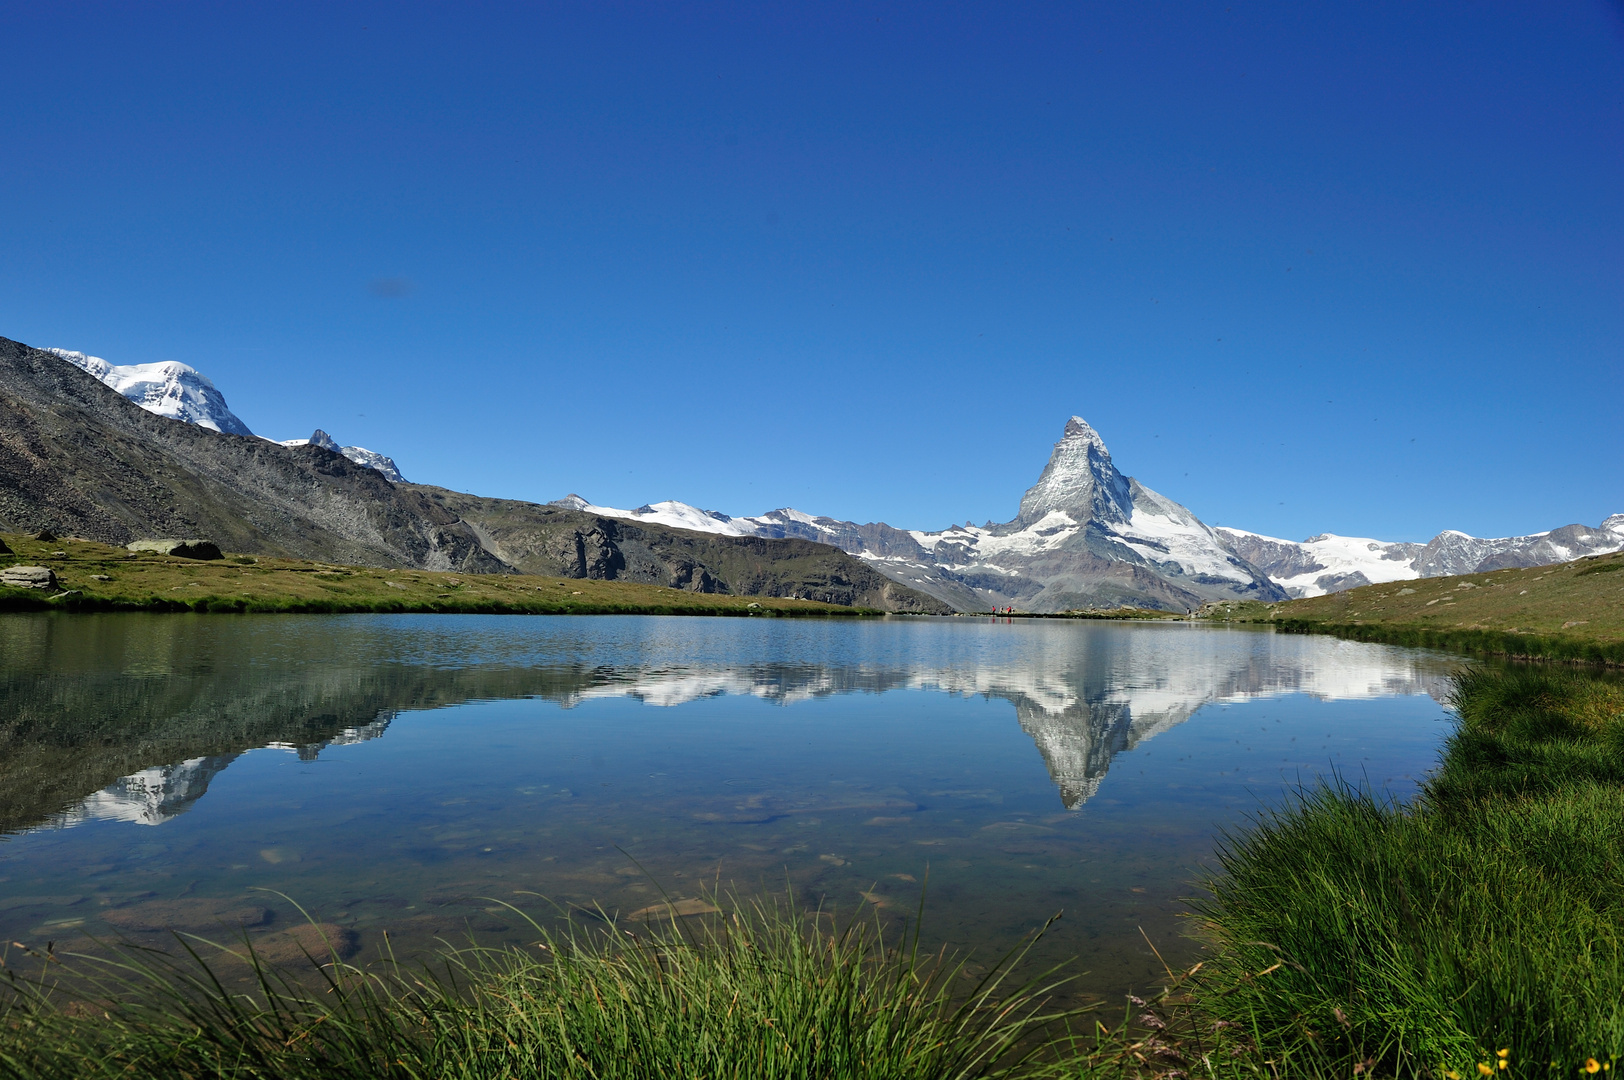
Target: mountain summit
[1079, 481]
[170, 388]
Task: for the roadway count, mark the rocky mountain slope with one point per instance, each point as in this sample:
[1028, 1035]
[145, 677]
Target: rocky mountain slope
[1329, 563]
[80, 459]
[1085, 536]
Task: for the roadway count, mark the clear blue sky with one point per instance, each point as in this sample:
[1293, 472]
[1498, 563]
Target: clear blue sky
[1307, 267]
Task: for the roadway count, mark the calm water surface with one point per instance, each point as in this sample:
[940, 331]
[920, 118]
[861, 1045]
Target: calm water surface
[404, 773]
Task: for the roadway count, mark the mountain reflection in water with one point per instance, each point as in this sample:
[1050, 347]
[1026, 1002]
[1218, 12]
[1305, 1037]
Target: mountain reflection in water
[129, 718]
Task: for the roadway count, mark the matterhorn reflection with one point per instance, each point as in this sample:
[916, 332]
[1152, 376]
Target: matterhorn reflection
[102, 730]
[1083, 706]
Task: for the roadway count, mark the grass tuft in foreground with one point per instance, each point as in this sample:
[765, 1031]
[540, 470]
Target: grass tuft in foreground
[765, 991]
[1486, 916]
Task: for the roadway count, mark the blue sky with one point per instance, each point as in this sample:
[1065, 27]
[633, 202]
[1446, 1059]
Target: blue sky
[1347, 268]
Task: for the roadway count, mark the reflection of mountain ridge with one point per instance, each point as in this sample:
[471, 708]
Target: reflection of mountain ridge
[155, 795]
[108, 720]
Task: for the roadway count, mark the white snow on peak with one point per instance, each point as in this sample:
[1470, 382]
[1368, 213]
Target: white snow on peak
[677, 515]
[358, 454]
[795, 515]
[169, 389]
[374, 460]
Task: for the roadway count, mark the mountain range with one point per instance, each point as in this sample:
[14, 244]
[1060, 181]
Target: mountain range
[80, 458]
[1085, 535]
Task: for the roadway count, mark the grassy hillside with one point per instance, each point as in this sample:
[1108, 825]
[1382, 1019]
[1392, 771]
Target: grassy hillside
[98, 577]
[1569, 611]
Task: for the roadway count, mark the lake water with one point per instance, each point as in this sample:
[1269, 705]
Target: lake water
[405, 773]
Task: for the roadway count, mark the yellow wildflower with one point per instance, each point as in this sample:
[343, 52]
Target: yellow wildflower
[1485, 1068]
[1503, 1053]
[1591, 1065]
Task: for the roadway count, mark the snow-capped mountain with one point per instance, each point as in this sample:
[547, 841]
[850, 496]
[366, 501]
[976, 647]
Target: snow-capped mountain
[169, 389]
[181, 392]
[1085, 536]
[1330, 563]
[358, 454]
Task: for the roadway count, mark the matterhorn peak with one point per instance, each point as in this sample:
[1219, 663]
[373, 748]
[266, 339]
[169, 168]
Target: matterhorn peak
[1079, 429]
[1079, 480]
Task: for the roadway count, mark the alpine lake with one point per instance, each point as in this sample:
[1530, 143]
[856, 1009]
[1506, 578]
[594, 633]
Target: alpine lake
[412, 781]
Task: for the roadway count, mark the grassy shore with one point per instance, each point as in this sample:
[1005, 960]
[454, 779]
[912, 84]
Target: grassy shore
[1483, 922]
[96, 577]
[1568, 612]
[762, 991]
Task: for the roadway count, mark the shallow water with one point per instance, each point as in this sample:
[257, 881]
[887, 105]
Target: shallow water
[414, 773]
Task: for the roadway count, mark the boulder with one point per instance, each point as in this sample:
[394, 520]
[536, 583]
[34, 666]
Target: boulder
[45, 536]
[28, 577]
[183, 549]
[4, 550]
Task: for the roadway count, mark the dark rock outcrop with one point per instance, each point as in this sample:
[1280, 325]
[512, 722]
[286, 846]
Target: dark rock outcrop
[180, 549]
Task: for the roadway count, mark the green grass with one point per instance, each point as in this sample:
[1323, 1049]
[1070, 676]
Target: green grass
[766, 991]
[1568, 612]
[96, 577]
[1486, 915]
[1559, 647]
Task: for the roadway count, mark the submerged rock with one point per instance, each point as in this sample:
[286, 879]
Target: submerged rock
[187, 914]
[184, 549]
[321, 942]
